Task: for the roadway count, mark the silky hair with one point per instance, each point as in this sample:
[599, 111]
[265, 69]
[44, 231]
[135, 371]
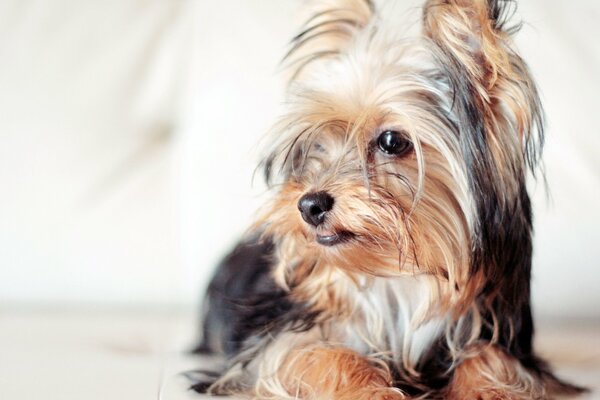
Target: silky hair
[429, 294]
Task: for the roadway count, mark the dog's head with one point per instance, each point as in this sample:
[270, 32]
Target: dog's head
[405, 155]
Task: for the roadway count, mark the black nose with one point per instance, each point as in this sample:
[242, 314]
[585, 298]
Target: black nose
[314, 206]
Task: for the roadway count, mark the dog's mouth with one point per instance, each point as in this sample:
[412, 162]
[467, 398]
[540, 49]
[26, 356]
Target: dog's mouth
[330, 238]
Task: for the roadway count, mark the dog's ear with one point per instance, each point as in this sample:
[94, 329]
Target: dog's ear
[475, 36]
[329, 27]
[472, 32]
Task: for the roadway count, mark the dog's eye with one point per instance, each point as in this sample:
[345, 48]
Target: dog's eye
[394, 143]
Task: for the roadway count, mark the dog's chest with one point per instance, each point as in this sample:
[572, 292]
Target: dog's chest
[390, 317]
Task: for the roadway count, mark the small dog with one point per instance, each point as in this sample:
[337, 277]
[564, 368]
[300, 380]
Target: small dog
[394, 261]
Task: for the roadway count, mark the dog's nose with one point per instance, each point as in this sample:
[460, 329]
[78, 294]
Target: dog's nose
[314, 207]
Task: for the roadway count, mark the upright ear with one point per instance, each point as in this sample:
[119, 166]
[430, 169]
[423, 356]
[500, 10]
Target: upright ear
[329, 27]
[474, 35]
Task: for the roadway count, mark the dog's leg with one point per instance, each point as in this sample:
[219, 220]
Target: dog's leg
[492, 374]
[318, 373]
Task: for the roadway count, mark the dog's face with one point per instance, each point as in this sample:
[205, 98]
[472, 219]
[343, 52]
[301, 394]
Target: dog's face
[374, 176]
[402, 156]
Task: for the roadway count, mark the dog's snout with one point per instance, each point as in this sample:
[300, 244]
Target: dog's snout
[314, 207]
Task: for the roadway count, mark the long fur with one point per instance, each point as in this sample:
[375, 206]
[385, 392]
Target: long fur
[431, 296]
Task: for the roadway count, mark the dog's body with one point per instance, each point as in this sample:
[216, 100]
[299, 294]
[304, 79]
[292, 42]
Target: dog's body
[394, 261]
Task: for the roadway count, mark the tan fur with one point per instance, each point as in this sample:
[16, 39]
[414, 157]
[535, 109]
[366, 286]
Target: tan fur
[490, 374]
[330, 26]
[504, 85]
[322, 373]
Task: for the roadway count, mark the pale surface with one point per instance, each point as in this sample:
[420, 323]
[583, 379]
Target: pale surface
[95, 354]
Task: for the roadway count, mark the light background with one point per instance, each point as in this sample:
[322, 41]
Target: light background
[129, 133]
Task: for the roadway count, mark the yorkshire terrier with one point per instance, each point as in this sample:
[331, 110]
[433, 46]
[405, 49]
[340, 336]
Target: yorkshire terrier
[394, 261]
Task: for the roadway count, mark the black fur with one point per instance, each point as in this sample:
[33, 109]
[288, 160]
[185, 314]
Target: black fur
[239, 279]
[243, 304]
[243, 301]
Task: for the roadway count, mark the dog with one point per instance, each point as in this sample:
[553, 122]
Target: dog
[394, 259]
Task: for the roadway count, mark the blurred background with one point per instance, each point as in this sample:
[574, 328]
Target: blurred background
[129, 134]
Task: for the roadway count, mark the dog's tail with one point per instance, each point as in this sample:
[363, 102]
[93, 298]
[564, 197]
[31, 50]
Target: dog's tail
[555, 386]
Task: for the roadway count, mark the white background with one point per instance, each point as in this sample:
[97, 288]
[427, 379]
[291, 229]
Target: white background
[129, 133]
